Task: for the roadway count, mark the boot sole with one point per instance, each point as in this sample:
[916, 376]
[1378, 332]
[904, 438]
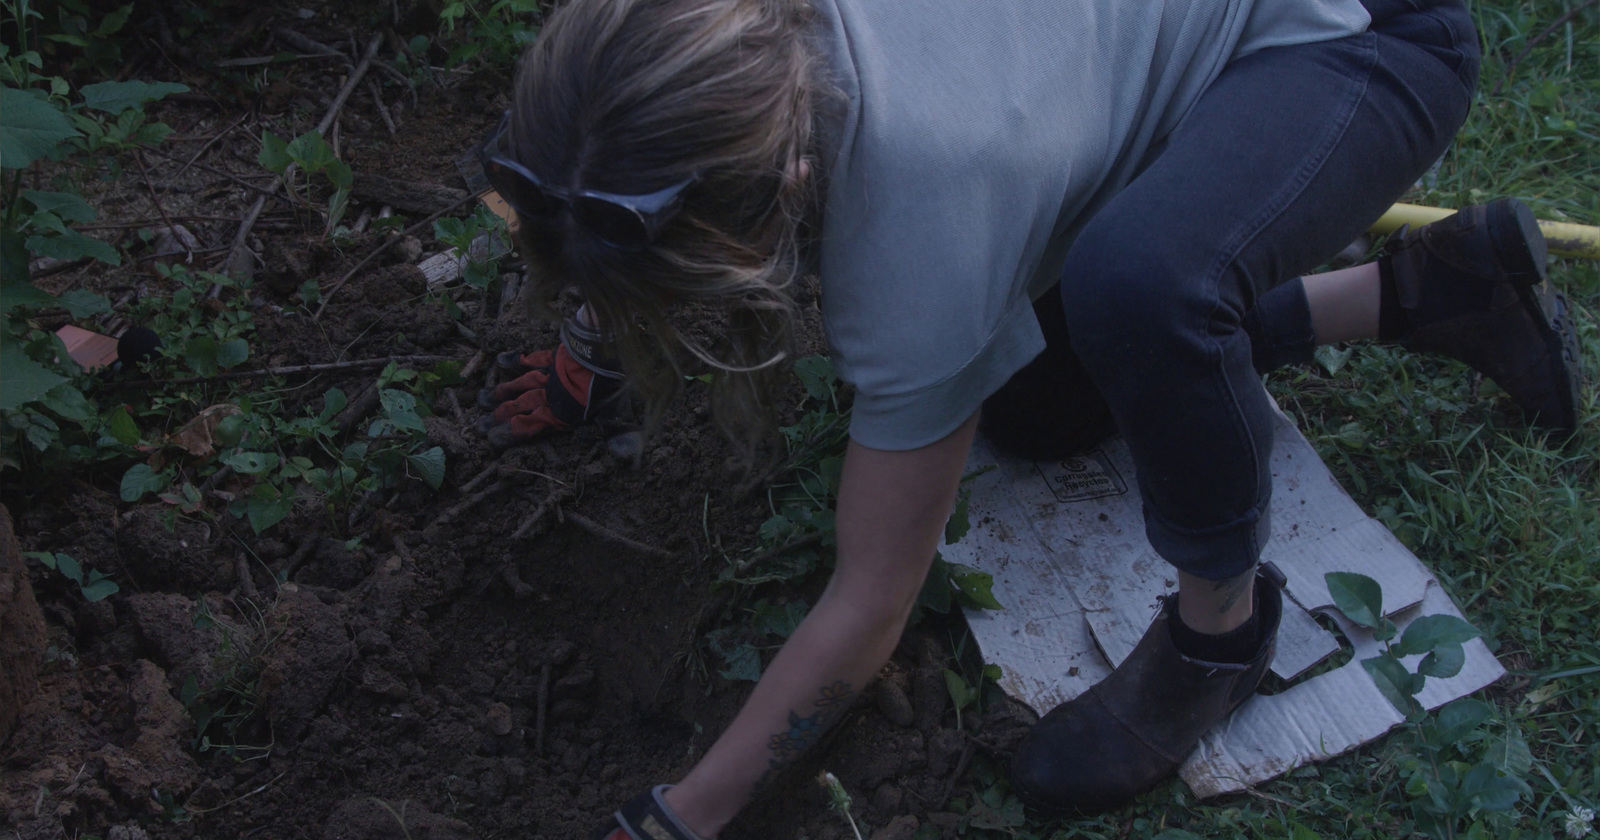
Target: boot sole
[1524, 256]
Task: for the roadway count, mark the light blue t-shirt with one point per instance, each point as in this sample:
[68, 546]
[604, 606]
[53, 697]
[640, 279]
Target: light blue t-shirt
[971, 142]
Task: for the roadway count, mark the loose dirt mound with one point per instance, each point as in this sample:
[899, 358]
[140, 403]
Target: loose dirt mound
[497, 658]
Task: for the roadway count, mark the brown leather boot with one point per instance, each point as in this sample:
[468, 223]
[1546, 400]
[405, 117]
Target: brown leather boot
[1132, 730]
[1473, 287]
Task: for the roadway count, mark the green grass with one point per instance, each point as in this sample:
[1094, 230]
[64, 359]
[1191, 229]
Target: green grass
[1508, 520]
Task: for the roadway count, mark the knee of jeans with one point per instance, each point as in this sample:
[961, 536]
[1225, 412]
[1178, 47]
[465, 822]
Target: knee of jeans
[1124, 298]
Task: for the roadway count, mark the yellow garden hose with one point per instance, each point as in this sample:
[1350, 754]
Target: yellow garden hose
[1565, 239]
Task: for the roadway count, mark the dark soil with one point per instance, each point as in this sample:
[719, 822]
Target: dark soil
[437, 677]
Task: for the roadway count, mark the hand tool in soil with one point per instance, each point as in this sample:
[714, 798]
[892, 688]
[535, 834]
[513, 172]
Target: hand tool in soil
[556, 389]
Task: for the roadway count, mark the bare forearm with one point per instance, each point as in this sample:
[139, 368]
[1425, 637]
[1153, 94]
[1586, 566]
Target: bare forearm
[830, 658]
[891, 514]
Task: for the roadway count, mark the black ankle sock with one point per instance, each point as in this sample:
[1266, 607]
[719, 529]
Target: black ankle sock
[1392, 321]
[1236, 646]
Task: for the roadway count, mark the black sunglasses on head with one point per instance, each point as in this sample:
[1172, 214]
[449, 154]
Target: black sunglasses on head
[628, 222]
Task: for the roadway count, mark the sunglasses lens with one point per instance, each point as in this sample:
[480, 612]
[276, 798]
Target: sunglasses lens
[614, 224]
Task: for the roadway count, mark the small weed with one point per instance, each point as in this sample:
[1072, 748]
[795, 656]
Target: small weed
[311, 154]
[477, 241]
[224, 712]
[94, 586]
[839, 800]
[1447, 794]
[494, 32]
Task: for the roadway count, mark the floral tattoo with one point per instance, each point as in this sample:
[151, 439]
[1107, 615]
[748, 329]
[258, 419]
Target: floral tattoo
[803, 732]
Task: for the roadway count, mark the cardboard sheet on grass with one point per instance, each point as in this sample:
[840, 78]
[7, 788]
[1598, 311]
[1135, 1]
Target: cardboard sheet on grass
[1065, 543]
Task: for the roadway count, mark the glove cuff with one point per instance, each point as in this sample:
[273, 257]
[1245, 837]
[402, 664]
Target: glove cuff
[590, 347]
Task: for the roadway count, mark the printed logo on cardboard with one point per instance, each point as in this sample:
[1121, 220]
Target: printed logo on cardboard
[1083, 477]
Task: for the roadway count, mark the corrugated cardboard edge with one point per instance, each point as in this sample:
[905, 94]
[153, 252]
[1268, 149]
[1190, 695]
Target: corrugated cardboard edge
[1080, 584]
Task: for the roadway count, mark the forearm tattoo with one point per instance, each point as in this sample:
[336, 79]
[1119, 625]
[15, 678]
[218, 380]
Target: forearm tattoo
[803, 732]
[1232, 589]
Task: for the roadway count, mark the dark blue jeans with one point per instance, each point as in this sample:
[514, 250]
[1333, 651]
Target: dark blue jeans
[1187, 282]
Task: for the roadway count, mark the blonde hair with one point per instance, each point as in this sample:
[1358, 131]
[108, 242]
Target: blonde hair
[632, 96]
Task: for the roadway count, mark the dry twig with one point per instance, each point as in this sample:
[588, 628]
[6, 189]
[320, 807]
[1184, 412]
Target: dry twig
[328, 295]
[355, 364]
[602, 531]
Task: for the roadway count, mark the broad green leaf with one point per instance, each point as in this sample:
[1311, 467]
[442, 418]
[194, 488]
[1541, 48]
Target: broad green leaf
[311, 152]
[1491, 791]
[200, 354]
[957, 525]
[817, 375]
[779, 620]
[961, 694]
[1430, 631]
[339, 174]
[69, 402]
[22, 380]
[1300, 832]
[1509, 753]
[400, 408]
[251, 463]
[40, 430]
[140, 480]
[333, 402]
[974, 586]
[429, 464]
[30, 128]
[45, 557]
[1444, 661]
[68, 206]
[98, 588]
[115, 97]
[153, 134]
[72, 245]
[122, 427]
[69, 566]
[1177, 834]
[233, 353]
[1359, 597]
[82, 303]
[268, 507]
[112, 23]
[1459, 719]
[1393, 680]
[15, 290]
[274, 153]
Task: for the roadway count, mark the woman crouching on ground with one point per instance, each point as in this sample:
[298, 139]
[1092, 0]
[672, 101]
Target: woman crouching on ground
[1074, 217]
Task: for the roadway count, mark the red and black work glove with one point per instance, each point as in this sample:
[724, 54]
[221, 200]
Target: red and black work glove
[556, 390]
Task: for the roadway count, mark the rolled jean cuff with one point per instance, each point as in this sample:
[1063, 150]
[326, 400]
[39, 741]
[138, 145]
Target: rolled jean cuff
[1215, 553]
[1279, 326]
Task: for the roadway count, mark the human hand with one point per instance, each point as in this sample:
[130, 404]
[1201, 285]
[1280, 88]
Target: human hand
[554, 391]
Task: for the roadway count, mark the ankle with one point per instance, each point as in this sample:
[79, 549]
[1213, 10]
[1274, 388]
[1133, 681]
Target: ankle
[1236, 646]
[1393, 323]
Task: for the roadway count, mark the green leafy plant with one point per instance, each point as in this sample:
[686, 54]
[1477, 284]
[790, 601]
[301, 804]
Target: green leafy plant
[1448, 792]
[477, 240]
[44, 403]
[496, 32]
[311, 154]
[224, 709]
[94, 586]
[964, 694]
